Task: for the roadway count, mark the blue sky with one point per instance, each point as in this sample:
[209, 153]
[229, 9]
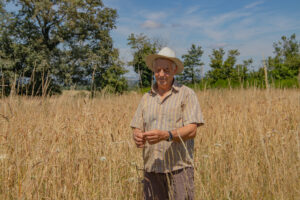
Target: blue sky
[250, 26]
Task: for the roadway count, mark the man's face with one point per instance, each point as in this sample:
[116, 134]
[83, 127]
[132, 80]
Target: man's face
[164, 72]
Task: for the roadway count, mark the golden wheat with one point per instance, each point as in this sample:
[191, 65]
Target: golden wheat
[79, 148]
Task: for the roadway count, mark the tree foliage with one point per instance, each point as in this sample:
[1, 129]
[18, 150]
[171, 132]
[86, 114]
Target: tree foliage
[241, 72]
[142, 46]
[286, 62]
[222, 69]
[192, 65]
[227, 69]
[59, 43]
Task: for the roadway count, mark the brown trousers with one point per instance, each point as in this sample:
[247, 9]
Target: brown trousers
[177, 185]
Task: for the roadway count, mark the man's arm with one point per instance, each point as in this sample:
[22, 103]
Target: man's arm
[185, 133]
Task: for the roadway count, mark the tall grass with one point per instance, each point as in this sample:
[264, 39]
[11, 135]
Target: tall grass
[79, 148]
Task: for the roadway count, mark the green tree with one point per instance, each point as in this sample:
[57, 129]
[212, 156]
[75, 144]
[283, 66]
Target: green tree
[227, 70]
[112, 78]
[61, 43]
[286, 62]
[6, 50]
[142, 46]
[241, 70]
[229, 64]
[192, 64]
[216, 63]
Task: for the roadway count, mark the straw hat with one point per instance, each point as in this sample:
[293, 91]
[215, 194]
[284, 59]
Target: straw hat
[167, 53]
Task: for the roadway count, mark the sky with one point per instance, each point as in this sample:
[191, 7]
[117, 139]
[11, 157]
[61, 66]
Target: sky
[249, 26]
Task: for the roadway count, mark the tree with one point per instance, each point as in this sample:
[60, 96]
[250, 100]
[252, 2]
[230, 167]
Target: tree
[60, 43]
[6, 62]
[227, 69]
[229, 63]
[192, 63]
[142, 46]
[241, 70]
[112, 78]
[286, 62]
[216, 63]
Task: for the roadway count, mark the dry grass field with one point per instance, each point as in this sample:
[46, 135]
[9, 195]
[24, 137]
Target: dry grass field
[78, 148]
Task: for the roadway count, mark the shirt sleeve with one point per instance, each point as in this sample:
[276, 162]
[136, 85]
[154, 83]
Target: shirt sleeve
[191, 110]
[137, 120]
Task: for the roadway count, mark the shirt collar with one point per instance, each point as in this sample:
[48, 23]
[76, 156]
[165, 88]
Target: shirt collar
[175, 87]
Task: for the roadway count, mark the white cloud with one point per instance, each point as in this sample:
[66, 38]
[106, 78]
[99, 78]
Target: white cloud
[217, 35]
[230, 16]
[192, 9]
[218, 45]
[124, 30]
[254, 4]
[214, 27]
[261, 25]
[125, 54]
[156, 15]
[250, 30]
[149, 24]
[112, 3]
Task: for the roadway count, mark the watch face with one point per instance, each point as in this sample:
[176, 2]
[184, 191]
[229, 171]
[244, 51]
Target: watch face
[170, 136]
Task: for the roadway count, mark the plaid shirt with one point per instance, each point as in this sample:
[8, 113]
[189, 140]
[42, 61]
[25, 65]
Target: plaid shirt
[180, 107]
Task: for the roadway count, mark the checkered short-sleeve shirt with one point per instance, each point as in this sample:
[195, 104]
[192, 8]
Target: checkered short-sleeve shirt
[180, 107]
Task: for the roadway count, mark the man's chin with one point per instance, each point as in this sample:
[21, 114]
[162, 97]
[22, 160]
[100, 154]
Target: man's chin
[162, 83]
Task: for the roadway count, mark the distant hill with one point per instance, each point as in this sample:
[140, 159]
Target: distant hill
[132, 82]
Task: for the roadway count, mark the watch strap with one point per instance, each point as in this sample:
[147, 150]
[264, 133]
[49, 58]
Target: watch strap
[170, 136]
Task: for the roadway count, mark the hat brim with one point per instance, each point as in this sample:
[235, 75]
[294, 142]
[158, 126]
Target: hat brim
[150, 58]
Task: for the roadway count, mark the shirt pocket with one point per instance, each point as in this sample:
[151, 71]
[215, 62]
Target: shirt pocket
[173, 115]
[151, 115]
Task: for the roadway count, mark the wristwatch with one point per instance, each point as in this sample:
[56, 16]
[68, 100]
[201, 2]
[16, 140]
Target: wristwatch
[170, 136]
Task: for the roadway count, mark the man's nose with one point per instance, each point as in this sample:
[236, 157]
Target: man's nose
[161, 72]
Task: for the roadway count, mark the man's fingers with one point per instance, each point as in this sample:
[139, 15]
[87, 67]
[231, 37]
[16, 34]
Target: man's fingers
[151, 137]
[149, 133]
[139, 135]
[152, 141]
[140, 144]
[138, 139]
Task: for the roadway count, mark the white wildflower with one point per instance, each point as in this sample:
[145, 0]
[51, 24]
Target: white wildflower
[131, 179]
[102, 158]
[3, 156]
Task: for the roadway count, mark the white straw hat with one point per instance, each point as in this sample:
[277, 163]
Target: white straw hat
[167, 53]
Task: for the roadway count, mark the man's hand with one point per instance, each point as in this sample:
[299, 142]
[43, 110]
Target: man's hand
[139, 138]
[156, 136]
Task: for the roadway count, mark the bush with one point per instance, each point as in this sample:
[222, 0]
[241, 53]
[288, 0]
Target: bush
[286, 83]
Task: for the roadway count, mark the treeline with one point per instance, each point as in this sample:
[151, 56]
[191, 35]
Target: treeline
[53, 45]
[281, 71]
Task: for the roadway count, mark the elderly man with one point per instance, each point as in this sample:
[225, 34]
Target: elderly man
[164, 125]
